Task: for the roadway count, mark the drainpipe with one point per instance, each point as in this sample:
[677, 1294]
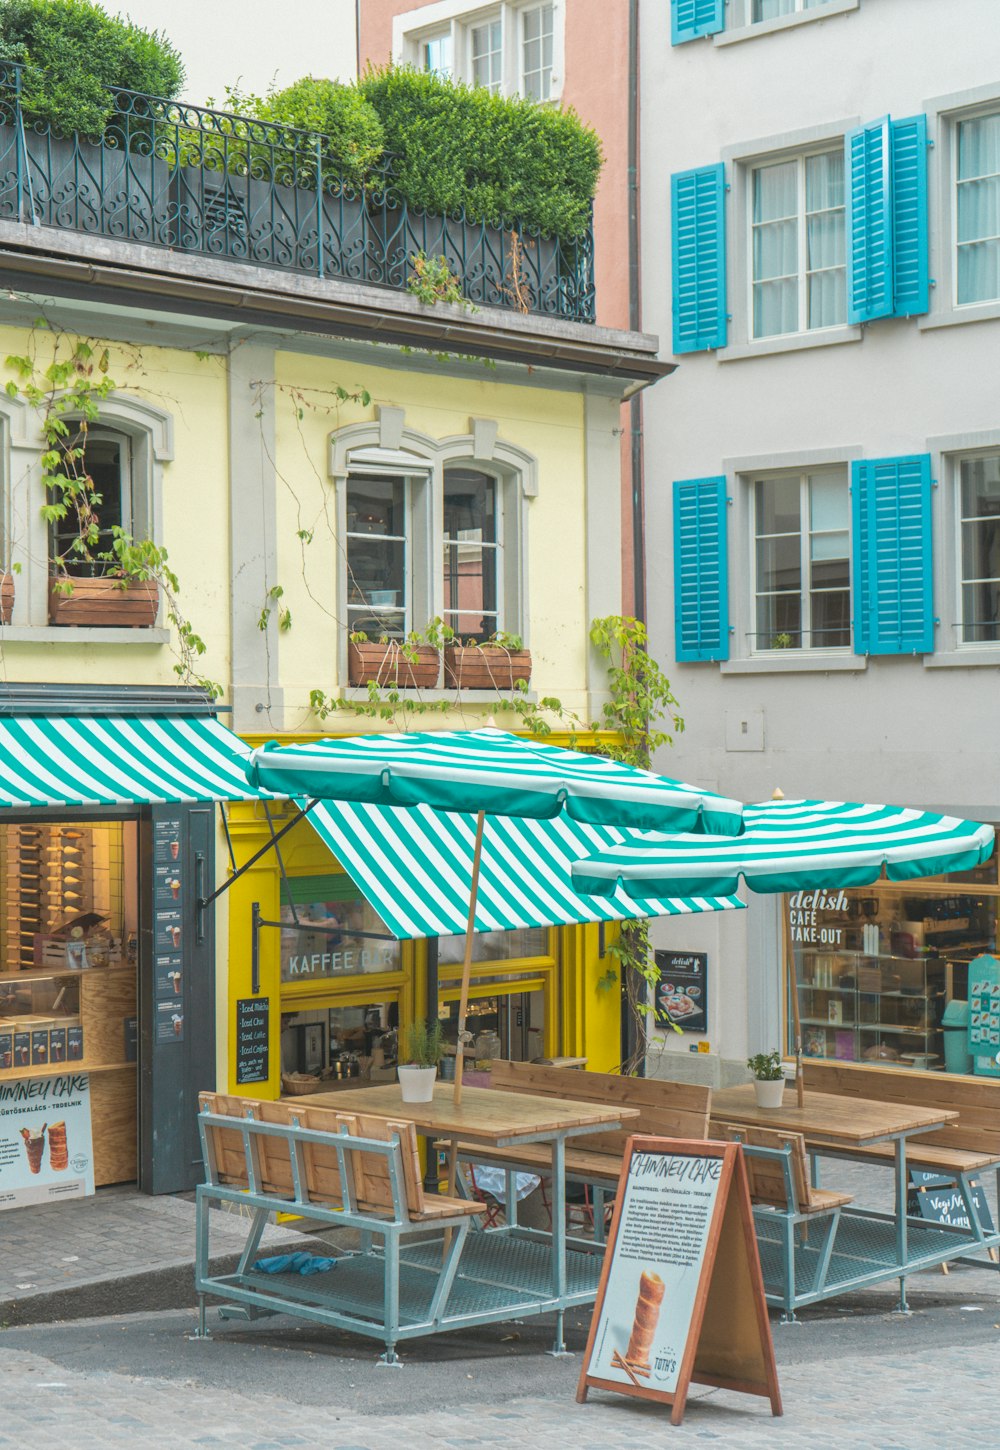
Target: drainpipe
[357, 38]
[631, 1032]
[635, 316]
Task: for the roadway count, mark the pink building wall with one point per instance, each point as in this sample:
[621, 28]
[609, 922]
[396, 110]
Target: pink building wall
[596, 86]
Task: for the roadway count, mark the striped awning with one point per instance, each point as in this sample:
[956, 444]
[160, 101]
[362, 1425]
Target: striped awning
[793, 846]
[414, 865]
[490, 770]
[119, 760]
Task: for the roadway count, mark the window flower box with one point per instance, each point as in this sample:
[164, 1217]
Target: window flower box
[386, 663]
[104, 603]
[6, 597]
[485, 667]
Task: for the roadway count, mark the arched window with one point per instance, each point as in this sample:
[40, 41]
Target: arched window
[101, 458]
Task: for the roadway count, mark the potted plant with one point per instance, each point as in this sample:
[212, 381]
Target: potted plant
[425, 1048]
[498, 663]
[406, 663]
[768, 1078]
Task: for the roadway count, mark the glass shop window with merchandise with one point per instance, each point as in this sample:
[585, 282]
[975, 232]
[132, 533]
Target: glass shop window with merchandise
[900, 974]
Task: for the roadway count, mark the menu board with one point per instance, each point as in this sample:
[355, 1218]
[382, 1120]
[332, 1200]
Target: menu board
[937, 1198]
[168, 930]
[681, 997]
[681, 1293]
[46, 1146]
[984, 1016]
[253, 1016]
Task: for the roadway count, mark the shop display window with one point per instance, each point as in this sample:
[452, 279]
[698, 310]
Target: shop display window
[330, 930]
[882, 972]
[496, 946]
[338, 1043]
[68, 938]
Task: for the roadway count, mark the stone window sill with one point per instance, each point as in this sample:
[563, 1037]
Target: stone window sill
[784, 22]
[790, 342]
[358, 694]
[788, 664]
[959, 316]
[960, 659]
[80, 634]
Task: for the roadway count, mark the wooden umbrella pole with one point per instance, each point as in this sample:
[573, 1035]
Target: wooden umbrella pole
[463, 1001]
[796, 1022]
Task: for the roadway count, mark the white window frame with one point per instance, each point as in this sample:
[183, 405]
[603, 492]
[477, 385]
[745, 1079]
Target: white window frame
[947, 453]
[358, 473]
[805, 534]
[496, 548]
[802, 229]
[522, 30]
[958, 520]
[740, 27]
[413, 28]
[739, 162]
[492, 17]
[431, 37]
[386, 446]
[943, 115]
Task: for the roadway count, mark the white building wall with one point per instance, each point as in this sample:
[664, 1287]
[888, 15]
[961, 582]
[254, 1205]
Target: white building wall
[922, 731]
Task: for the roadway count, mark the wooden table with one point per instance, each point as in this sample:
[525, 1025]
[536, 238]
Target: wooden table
[841, 1124]
[498, 1119]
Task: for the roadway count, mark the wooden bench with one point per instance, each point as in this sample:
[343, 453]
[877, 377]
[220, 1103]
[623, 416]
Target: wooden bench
[666, 1110]
[968, 1145]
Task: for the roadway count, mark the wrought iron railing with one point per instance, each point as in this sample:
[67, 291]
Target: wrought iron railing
[167, 174]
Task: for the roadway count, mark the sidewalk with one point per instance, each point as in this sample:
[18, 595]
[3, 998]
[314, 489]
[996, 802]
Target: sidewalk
[117, 1251]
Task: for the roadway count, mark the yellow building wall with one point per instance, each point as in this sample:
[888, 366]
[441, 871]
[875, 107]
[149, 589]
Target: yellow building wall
[547, 423]
[195, 509]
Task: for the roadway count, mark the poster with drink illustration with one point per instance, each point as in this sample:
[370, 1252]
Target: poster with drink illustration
[167, 932]
[46, 1145]
[681, 1292]
[168, 977]
[169, 1021]
[167, 883]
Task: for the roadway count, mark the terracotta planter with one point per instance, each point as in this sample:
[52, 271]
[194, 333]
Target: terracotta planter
[485, 667]
[104, 604]
[6, 597]
[385, 664]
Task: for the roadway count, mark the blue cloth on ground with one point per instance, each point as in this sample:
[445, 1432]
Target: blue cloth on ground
[294, 1264]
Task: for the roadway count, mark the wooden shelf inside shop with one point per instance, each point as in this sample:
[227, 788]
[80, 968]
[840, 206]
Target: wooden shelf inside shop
[42, 974]
[59, 1069]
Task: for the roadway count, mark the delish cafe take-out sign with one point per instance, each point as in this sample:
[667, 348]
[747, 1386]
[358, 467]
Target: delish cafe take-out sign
[807, 917]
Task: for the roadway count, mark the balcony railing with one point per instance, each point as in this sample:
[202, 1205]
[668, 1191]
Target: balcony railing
[167, 174]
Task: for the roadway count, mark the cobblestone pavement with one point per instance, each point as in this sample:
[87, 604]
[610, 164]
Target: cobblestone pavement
[937, 1396]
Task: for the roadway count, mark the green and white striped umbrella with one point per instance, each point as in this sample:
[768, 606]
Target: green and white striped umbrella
[791, 846]
[489, 770]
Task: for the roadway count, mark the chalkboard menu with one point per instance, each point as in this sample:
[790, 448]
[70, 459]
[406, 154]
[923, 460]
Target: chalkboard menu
[252, 1029]
[937, 1198]
[681, 1293]
[681, 996]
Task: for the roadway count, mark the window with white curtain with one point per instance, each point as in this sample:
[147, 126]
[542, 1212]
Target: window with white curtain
[473, 520]
[979, 527]
[741, 13]
[797, 244]
[801, 570]
[977, 204]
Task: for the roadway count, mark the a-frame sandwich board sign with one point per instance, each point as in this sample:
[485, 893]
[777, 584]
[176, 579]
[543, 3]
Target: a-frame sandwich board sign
[681, 1296]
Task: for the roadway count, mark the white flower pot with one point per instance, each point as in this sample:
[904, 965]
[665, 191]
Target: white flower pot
[769, 1094]
[417, 1083]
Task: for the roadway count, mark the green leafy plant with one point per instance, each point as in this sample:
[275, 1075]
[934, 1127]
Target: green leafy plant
[424, 1044]
[499, 159]
[640, 715]
[766, 1066]
[72, 51]
[782, 641]
[273, 602]
[433, 281]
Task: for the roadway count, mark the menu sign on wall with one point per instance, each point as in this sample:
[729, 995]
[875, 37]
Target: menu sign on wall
[46, 1146]
[253, 1016]
[681, 1293]
[168, 930]
[681, 996]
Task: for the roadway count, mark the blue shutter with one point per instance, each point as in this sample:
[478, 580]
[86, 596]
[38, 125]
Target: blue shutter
[886, 164]
[701, 588]
[690, 19]
[698, 222]
[869, 230]
[893, 584]
[908, 174]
